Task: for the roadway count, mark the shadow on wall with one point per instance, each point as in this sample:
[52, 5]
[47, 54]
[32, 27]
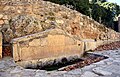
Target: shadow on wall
[116, 26]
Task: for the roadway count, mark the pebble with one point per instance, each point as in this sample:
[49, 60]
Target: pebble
[5, 17]
[1, 16]
[1, 22]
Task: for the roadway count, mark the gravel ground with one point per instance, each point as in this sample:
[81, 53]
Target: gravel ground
[111, 46]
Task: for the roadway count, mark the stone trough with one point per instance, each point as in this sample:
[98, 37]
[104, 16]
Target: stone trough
[50, 47]
[45, 46]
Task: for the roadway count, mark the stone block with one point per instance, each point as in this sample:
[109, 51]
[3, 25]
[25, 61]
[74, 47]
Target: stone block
[6, 21]
[99, 42]
[15, 53]
[60, 21]
[55, 40]
[1, 15]
[34, 42]
[51, 46]
[43, 41]
[27, 53]
[5, 17]
[70, 41]
[89, 44]
[1, 22]
[41, 52]
[24, 43]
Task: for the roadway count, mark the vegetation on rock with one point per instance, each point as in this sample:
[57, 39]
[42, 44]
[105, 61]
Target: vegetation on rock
[100, 10]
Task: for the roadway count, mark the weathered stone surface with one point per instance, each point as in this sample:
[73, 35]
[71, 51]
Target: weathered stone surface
[28, 72]
[90, 44]
[1, 22]
[16, 55]
[88, 74]
[5, 17]
[16, 70]
[100, 71]
[33, 17]
[75, 72]
[2, 66]
[43, 41]
[1, 15]
[48, 44]
[113, 68]
[34, 42]
[88, 67]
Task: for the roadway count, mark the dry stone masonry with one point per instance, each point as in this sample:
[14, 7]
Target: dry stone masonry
[39, 29]
[20, 18]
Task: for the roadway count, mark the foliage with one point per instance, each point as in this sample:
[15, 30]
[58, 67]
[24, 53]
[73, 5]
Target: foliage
[114, 8]
[94, 1]
[100, 10]
[105, 13]
[79, 5]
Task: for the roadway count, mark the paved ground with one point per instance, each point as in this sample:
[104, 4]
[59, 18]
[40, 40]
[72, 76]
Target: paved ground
[106, 68]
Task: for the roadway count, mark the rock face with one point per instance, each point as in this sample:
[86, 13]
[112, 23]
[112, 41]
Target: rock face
[20, 18]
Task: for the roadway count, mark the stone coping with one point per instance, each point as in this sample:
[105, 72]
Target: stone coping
[52, 31]
[39, 34]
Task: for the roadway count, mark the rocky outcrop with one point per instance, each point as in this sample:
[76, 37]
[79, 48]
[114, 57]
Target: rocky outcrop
[20, 18]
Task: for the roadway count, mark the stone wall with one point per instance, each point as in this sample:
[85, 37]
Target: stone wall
[24, 17]
[90, 44]
[48, 44]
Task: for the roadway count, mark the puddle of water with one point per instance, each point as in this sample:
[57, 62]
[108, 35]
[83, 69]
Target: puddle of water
[60, 65]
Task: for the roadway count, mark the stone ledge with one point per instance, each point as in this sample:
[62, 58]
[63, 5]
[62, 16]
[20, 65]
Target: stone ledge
[39, 34]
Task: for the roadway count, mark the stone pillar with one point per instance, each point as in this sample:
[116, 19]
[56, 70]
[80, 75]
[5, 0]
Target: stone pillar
[0, 45]
[15, 51]
[119, 24]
